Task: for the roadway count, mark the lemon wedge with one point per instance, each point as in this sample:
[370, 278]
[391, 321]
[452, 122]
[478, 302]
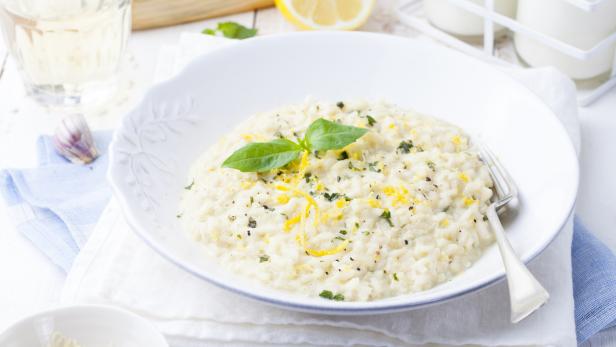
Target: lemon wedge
[326, 14]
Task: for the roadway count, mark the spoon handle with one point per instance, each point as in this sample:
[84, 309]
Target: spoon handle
[526, 294]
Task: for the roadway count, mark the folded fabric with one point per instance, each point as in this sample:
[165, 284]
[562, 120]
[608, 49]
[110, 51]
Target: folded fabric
[57, 204]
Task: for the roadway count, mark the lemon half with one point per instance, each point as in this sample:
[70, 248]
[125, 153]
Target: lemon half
[326, 14]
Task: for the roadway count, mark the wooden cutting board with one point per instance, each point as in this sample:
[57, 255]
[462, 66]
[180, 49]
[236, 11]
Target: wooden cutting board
[157, 13]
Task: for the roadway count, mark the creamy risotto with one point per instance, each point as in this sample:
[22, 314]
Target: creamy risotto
[398, 211]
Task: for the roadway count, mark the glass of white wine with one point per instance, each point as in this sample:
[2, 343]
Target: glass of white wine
[68, 51]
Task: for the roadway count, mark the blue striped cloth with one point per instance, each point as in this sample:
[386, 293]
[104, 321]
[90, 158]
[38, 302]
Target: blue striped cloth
[57, 204]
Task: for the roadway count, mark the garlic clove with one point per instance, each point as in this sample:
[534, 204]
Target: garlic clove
[73, 140]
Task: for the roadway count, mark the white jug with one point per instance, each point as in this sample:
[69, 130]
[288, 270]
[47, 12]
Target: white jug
[571, 25]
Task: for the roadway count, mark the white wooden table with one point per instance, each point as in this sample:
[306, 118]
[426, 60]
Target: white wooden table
[30, 283]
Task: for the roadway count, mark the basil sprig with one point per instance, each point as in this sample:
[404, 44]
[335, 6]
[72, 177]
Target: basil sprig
[322, 135]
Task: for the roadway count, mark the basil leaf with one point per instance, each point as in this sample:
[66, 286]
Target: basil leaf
[231, 30]
[323, 135]
[263, 156]
[234, 30]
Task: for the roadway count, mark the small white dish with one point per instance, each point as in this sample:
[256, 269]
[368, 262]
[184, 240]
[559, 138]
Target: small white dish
[177, 120]
[88, 325]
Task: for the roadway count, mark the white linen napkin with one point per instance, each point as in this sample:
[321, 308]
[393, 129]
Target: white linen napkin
[116, 267]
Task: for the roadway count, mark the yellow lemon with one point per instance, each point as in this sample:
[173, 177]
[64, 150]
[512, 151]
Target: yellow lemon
[326, 14]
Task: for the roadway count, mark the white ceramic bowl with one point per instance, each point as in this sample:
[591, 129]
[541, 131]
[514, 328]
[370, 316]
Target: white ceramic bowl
[88, 325]
[177, 120]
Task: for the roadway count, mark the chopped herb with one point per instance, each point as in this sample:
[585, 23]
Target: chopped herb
[239, 236]
[263, 258]
[316, 154]
[428, 179]
[327, 294]
[339, 238]
[405, 146]
[406, 242]
[340, 105]
[252, 200]
[372, 167]
[358, 269]
[189, 187]
[343, 232]
[231, 218]
[268, 208]
[179, 215]
[387, 216]
[307, 176]
[371, 121]
[431, 165]
[485, 218]
[395, 276]
[252, 223]
[357, 225]
[331, 197]
[338, 179]
[343, 155]
[248, 232]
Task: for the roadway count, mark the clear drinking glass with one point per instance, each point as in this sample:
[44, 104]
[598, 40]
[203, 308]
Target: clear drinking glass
[67, 51]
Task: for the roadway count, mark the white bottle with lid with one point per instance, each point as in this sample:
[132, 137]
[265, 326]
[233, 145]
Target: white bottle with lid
[460, 22]
[566, 22]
